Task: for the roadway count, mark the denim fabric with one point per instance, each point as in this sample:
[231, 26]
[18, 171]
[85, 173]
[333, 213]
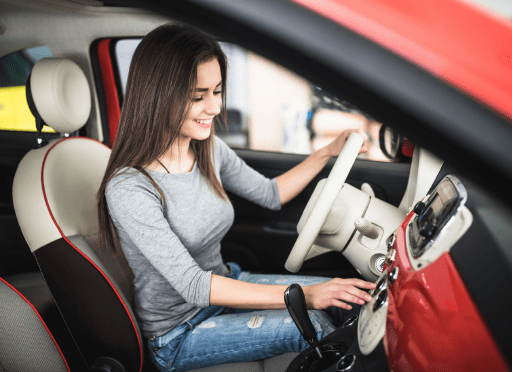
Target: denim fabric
[218, 335]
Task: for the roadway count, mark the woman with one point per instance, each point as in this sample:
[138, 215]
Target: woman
[163, 201]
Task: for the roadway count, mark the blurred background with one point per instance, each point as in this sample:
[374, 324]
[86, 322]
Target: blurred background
[272, 109]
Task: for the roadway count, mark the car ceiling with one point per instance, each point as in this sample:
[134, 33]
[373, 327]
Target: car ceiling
[425, 109]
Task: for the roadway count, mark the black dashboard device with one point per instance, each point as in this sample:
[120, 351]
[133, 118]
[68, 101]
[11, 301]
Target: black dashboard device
[435, 213]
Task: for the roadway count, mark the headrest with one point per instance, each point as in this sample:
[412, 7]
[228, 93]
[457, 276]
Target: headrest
[60, 93]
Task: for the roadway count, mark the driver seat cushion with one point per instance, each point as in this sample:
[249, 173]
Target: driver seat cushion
[278, 363]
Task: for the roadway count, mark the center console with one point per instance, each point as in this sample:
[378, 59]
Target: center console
[341, 353]
[355, 346]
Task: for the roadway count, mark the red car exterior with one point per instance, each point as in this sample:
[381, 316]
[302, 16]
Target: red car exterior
[450, 39]
[433, 324]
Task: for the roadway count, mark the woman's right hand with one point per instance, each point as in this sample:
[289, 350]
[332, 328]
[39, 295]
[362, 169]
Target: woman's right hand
[337, 292]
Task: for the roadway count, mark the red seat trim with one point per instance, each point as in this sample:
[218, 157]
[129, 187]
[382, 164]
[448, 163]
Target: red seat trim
[41, 319]
[78, 250]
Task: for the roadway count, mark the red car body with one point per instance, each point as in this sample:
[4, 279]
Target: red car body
[450, 39]
[432, 321]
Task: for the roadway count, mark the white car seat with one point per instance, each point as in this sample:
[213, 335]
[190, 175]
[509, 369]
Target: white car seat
[54, 196]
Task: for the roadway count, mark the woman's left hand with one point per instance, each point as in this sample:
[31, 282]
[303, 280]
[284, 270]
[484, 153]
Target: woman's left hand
[334, 148]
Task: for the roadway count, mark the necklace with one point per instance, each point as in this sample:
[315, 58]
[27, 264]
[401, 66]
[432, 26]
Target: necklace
[167, 170]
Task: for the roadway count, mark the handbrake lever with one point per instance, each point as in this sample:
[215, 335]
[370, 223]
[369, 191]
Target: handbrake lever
[296, 304]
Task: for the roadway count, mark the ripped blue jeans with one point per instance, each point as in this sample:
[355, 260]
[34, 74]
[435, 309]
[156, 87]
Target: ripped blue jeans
[218, 335]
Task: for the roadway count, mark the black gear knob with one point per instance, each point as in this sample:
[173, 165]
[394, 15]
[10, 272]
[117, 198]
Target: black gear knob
[296, 304]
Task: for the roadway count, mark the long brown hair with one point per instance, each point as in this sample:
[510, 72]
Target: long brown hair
[161, 82]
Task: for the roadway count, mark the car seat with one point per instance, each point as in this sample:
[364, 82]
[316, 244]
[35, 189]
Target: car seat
[26, 343]
[54, 193]
[33, 289]
[54, 196]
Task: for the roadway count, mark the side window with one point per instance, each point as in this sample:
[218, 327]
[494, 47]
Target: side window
[280, 111]
[270, 108]
[14, 70]
[124, 50]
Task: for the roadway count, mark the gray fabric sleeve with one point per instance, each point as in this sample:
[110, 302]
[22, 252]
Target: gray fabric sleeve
[138, 210]
[240, 179]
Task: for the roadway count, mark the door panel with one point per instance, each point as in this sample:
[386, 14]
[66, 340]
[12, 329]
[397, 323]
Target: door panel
[260, 240]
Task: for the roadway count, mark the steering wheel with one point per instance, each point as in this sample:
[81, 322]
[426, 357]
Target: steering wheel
[324, 203]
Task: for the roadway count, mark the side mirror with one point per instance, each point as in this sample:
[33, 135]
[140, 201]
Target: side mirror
[391, 143]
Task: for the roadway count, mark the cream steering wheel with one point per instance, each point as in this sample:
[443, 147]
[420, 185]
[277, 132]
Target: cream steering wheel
[324, 203]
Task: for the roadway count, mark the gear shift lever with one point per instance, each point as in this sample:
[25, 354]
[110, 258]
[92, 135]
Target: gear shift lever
[296, 304]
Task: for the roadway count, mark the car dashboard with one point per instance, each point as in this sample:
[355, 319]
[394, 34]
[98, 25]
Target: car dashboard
[423, 316]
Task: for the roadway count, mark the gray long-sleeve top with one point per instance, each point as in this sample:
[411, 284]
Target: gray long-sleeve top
[173, 249]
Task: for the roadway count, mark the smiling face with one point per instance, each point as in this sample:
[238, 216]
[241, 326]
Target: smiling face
[206, 102]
